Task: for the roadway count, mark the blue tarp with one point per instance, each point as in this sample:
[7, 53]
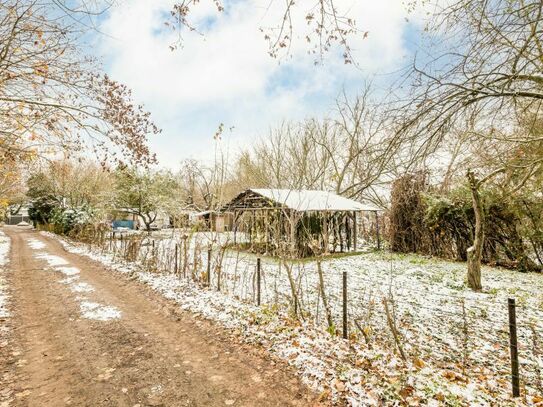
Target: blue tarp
[123, 224]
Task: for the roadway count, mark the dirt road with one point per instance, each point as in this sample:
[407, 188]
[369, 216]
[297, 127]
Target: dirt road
[83, 336]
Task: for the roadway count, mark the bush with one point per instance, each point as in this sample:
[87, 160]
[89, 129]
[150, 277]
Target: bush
[66, 219]
[428, 222]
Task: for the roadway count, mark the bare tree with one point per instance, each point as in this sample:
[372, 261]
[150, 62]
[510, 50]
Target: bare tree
[489, 77]
[321, 25]
[354, 153]
[54, 98]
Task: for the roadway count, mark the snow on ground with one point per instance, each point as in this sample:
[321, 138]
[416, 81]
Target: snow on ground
[99, 312]
[36, 244]
[81, 287]
[4, 253]
[6, 391]
[51, 259]
[89, 309]
[455, 341]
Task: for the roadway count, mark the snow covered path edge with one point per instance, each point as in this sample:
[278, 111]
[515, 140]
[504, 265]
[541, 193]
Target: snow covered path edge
[4, 258]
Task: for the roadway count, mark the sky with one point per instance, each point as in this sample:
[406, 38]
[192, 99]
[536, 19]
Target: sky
[223, 73]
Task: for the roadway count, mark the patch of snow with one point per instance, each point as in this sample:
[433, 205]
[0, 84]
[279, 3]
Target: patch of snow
[68, 270]
[51, 259]
[82, 287]
[69, 280]
[99, 312]
[36, 244]
[89, 310]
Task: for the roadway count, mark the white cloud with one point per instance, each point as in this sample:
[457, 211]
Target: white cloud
[227, 76]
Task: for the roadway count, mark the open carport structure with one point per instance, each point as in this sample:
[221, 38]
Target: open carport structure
[297, 223]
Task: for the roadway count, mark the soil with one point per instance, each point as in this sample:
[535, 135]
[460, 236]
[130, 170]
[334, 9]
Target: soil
[153, 355]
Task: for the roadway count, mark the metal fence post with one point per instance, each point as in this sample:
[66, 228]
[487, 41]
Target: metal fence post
[345, 331]
[513, 346]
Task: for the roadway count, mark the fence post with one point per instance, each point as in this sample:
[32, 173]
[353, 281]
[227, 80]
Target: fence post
[378, 231]
[513, 347]
[208, 271]
[345, 333]
[258, 281]
[176, 255]
[185, 256]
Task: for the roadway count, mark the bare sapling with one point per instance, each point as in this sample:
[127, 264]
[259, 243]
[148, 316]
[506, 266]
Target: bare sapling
[325, 304]
[299, 290]
[391, 321]
[537, 356]
[293, 290]
[236, 272]
[218, 266]
[195, 260]
[185, 254]
[317, 304]
[364, 324]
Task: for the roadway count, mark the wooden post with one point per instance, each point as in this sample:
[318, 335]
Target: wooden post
[185, 256]
[266, 224]
[219, 277]
[176, 267]
[377, 230]
[293, 224]
[345, 331]
[326, 234]
[355, 232]
[208, 271]
[513, 346]
[344, 224]
[258, 281]
[235, 225]
[253, 228]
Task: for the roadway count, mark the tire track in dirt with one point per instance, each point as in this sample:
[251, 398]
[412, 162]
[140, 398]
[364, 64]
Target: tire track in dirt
[152, 355]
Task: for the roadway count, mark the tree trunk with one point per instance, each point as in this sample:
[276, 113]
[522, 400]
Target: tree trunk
[475, 252]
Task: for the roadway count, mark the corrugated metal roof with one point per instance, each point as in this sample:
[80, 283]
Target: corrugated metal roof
[312, 200]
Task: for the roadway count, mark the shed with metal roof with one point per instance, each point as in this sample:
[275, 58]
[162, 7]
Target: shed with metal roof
[297, 223]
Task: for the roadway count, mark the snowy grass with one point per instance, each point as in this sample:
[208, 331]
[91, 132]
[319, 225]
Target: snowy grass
[455, 340]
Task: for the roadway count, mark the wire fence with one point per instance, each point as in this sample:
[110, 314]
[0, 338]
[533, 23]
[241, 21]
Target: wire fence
[466, 337]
